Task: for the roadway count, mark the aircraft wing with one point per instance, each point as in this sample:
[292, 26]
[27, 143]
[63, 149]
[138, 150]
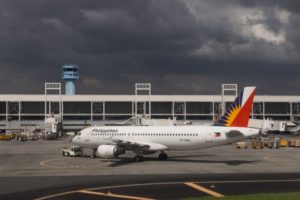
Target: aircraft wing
[138, 146]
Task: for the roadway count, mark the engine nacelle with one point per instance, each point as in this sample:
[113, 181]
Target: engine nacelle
[109, 151]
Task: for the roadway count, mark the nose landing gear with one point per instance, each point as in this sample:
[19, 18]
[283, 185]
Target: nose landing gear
[94, 153]
[138, 158]
[163, 156]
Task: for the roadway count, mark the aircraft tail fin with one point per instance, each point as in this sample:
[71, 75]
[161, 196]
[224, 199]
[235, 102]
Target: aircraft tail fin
[238, 113]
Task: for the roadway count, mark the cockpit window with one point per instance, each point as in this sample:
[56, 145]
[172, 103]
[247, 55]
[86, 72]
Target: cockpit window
[78, 133]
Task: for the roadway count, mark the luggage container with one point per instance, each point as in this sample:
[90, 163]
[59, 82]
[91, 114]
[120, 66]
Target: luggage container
[257, 144]
[284, 143]
[294, 143]
[242, 145]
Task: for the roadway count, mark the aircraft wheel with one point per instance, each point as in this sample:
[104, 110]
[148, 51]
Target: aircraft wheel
[138, 158]
[94, 153]
[163, 156]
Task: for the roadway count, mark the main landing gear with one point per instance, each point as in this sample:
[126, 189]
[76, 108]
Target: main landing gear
[138, 158]
[94, 153]
[163, 156]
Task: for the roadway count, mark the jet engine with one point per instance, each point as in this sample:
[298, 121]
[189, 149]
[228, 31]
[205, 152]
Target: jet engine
[110, 151]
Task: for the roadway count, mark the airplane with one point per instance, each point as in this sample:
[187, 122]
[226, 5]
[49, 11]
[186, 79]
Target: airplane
[111, 141]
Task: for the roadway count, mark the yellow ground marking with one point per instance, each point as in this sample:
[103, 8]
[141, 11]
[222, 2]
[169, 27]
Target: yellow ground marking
[109, 194]
[91, 192]
[44, 162]
[203, 189]
[128, 197]
[167, 183]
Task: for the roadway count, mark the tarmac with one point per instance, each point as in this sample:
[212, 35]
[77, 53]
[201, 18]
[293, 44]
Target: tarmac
[37, 170]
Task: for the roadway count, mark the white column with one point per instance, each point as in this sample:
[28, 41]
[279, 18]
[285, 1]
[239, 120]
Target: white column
[185, 110]
[6, 104]
[173, 112]
[291, 111]
[263, 110]
[213, 111]
[91, 111]
[19, 110]
[103, 116]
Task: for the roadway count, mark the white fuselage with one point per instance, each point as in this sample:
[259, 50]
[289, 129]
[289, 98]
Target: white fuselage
[163, 137]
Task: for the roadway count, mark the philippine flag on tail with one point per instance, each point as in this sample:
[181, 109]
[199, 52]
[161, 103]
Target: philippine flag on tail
[238, 113]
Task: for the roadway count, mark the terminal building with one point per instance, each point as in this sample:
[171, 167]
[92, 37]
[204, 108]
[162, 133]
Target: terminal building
[75, 111]
[78, 111]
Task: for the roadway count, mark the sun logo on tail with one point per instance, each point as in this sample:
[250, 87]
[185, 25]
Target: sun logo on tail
[231, 115]
[232, 112]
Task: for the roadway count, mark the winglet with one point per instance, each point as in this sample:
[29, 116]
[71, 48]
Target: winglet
[238, 113]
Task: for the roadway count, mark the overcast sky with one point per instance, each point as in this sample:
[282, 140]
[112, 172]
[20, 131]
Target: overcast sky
[180, 47]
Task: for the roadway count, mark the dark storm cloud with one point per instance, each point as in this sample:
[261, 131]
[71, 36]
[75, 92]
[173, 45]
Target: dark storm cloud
[188, 46]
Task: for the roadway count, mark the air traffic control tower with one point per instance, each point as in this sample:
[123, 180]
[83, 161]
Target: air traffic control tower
[70, 75]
